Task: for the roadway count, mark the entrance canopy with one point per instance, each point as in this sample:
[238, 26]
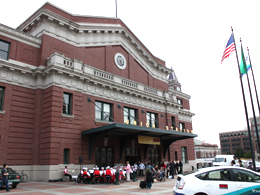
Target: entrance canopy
[128, 132]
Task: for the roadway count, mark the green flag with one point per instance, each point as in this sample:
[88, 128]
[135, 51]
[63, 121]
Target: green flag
[243, 66]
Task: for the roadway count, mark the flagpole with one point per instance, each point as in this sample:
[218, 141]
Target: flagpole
[116, 8]
[244, 99]
[253, 108]
[254, 81]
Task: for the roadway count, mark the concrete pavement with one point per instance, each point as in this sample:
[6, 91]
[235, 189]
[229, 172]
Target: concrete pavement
[58, 188]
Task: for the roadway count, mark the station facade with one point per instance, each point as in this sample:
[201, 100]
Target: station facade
[81, 86]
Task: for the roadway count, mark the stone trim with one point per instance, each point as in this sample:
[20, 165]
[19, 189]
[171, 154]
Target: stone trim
[2, 111]
[20, 36]
[67, 115]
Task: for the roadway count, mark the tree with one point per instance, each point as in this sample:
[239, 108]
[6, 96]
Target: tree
[239, 153]
[248, 155]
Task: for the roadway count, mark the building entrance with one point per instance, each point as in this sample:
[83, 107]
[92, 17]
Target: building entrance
[104, 157]
[132, 155]
[154, 156]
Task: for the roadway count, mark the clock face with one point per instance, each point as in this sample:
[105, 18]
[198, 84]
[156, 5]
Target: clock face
[120, 61]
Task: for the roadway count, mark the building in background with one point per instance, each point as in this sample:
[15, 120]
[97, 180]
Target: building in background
[80, 86]
[230, 141]
[205, 153]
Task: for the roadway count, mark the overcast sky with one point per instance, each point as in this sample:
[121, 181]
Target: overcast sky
[190, 36]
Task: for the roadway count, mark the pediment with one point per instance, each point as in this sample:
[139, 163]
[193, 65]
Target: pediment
[89, 34]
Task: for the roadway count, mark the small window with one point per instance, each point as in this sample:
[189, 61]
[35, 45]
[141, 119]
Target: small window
[1, 97]
[180, 102]
[130, 115]
[103, 111]
[151, 120]
[66, 156]
[4, 50]
[67, 103]
[184, 154]
[173, 123]
[182, 126]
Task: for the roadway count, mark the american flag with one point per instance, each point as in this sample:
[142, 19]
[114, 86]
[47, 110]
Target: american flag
[229, 48]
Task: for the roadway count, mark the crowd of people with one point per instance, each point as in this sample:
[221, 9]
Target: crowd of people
[128, 172]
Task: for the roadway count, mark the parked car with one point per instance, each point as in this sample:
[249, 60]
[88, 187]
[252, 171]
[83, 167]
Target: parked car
[218, 180]
[257, 165]
[13, 177]
[223, 160]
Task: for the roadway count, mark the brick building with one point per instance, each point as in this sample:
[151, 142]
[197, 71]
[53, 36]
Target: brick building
[205, 153]
[80, 86]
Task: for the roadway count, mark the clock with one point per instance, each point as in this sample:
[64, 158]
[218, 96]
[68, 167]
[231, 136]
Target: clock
[120, 61]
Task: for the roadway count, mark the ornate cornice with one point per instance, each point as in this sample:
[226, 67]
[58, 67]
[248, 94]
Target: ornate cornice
[20, 36]
[77, 28]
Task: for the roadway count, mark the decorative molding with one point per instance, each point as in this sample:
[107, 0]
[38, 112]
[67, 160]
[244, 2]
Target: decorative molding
[19, 36]
[67, 115]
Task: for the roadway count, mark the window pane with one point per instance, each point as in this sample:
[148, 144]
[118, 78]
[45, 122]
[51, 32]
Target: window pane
[98, 111]
[125, 118]
[4, 46]
[126, 114]
[98, 106]
[1, 98]
[245, 176]
[3, 55]
[66, 103]
[148, 118]
[66, 156]
[106, 109]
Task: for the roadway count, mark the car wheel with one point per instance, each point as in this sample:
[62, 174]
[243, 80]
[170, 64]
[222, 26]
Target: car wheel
[200, 194]
[14, 186]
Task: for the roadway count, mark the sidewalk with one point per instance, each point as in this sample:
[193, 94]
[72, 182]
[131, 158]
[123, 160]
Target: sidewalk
[60, 188]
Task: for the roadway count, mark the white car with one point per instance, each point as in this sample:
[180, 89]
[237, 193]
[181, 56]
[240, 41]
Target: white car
[218, 180]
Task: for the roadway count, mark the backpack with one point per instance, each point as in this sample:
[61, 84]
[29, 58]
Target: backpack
[148, 169]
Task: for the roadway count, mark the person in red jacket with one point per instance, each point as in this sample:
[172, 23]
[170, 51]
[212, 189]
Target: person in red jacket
[108, 174]
[86, 175]
[96, 175]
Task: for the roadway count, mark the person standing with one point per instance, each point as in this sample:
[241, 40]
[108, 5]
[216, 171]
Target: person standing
[141, 168]
[66, 173]
[128, 170]
[172, 169]
[233, 163]
[240, 163]
[168, 169]
[4, 178]
[181, 166]
[149, 176]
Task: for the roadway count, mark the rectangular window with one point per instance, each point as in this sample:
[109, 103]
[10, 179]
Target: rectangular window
[67, 103]
[103, 111]
[151, 119]
[4, 50]
[184, 154]
[182, 127]
[180, 102]
[130, 115]
[66, 159]
[1, 97]
[173, 123]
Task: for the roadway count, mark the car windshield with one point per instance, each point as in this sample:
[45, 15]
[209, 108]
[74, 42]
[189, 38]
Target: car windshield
[189, 172]
[219, 159]
[9, 170]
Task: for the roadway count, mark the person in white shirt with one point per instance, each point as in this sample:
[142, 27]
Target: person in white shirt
[66, 173]
[141, 168]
